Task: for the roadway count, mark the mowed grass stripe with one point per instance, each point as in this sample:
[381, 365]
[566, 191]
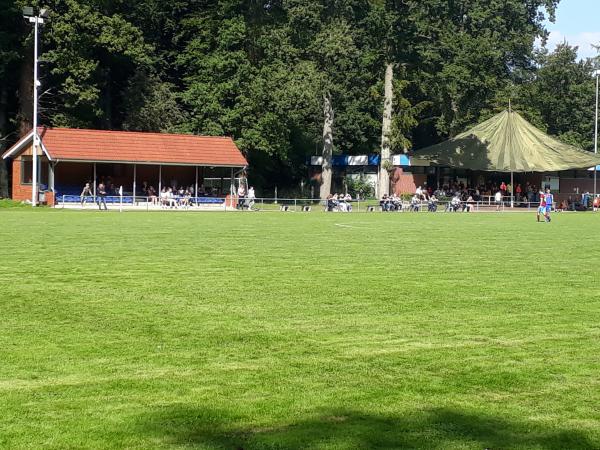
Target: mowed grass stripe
[269, 330]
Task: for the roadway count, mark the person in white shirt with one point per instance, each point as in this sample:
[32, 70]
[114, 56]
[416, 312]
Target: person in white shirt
[171, 198]
[498, 198]
[251, 197]
[415, 203]
[468, 206]
[419, 192]
[347, 200]
[342, 205]
[164, 198]
[455, 202]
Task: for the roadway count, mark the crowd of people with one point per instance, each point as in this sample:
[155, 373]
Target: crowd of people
[456, 196]
[172, 196]
[464, 198]
[339, 202]
[528, 193]
[245, 200]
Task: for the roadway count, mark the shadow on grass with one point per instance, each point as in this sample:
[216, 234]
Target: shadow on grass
[438, 428]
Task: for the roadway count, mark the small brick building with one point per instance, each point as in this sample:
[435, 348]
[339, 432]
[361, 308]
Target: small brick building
[69, 158]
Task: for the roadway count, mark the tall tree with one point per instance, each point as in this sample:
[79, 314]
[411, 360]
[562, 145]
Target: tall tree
[386, 132]
[326, 171]
[470, 49]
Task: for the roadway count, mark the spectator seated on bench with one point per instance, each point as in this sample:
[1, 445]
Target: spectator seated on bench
[395, 203]
[331, 203]
[562, 206]
[454, 204]
[468, 205]
[344, 204]
[432, 204]
[385, 203]
[415, 203]
[390, 203]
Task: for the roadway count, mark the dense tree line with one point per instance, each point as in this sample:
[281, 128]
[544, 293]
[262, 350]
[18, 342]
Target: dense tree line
[266, 71]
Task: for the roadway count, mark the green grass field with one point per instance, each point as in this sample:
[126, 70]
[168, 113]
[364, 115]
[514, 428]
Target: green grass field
[298, 331]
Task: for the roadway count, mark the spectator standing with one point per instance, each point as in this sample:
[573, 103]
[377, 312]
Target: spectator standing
[241, 195]
[251, 197]
[498, 198]
[585, 199]
[87, 192]
[101, 197]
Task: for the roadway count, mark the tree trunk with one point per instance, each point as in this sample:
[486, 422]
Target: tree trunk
[326, 173]
[386, 130]
[25, 115]
[108, 101]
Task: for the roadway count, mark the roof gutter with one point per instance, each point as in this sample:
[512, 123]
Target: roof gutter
[148, 163]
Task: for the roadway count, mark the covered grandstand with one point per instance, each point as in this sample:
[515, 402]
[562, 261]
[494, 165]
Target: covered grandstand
[69, 158]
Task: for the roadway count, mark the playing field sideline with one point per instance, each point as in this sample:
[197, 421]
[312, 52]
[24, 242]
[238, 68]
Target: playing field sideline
[291, 331]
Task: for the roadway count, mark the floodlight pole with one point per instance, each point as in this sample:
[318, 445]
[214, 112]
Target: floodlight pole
[34, 172]
[597, 73]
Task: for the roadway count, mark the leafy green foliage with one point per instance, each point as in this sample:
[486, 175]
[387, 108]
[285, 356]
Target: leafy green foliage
[360, 187]
[257, 70]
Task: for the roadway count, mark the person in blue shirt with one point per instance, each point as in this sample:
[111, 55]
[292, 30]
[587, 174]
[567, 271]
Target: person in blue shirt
[549, 202]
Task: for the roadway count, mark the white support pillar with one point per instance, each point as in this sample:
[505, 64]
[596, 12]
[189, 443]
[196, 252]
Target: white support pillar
[95, 182]
[51, 166]
[196, 185]
[134, 181]
[159, 179]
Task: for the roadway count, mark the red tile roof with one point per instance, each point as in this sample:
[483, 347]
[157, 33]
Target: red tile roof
[140, 147]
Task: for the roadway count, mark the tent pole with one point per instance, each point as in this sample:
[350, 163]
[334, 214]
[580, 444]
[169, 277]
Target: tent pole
[196, 185]
[95, 182]
[512, 190]
[134, 181]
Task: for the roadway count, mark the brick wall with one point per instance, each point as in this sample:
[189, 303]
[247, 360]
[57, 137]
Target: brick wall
[20, 192]
[407, 182]
[569, 185]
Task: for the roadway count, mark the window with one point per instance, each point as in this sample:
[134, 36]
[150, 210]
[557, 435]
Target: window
[27, 170]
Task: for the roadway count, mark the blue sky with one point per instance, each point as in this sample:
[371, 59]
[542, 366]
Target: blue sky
[577, 21]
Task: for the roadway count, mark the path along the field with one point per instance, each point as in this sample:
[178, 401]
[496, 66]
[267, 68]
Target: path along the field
[271, 330]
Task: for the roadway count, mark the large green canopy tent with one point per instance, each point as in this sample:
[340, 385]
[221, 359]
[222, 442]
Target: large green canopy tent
[507, 143]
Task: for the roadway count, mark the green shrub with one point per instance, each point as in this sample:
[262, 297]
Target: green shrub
[359, 187]
[8, 203]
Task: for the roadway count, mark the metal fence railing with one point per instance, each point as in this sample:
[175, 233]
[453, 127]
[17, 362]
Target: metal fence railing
[285, 205]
